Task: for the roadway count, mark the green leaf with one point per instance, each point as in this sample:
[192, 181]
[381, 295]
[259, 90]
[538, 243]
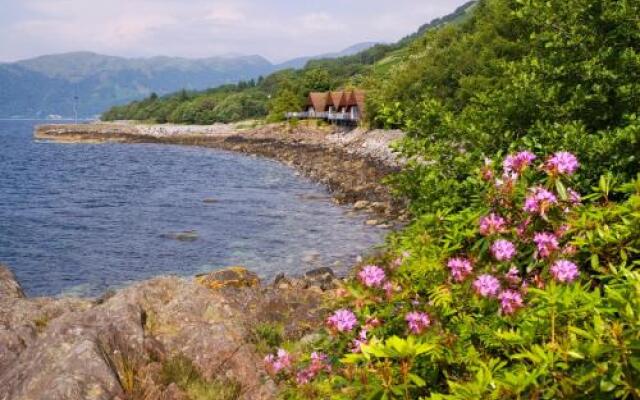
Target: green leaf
[606, 385]
[418, 381]
[562, 191]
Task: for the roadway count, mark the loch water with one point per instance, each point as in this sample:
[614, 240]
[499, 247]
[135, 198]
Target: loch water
[78, 219]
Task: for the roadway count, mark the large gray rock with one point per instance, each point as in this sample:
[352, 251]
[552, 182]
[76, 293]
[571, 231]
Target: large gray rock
[9, 286]
[77, 349]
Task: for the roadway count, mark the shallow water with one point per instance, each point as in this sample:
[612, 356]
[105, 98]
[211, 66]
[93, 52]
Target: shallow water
[81, 218]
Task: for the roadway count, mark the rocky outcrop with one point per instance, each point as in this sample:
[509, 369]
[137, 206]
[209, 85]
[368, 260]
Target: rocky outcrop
[236, 277]
[352, 165]
[135, 343]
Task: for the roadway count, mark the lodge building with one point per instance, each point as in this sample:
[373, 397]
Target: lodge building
[341, 106]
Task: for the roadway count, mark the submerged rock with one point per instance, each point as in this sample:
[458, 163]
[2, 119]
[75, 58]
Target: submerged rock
[361, 205]
[186, 236]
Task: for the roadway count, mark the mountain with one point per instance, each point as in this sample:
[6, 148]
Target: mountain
[46, 85]
[349, 51]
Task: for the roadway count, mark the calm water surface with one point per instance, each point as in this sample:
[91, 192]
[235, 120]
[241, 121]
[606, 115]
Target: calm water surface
[81, 218]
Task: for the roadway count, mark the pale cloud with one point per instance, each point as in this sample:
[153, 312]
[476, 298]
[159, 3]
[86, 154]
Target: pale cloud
[226, 13]
[129, 30]
[320, 22]
[277, 29]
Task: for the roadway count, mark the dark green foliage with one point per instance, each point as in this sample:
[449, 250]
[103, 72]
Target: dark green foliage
[518, 74]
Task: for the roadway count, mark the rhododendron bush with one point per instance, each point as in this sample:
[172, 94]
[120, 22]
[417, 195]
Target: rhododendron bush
[528, 293]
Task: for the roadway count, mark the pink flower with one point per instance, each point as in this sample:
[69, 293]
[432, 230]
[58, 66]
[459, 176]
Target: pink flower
[562, 230]
[281, 361]
[487, 286]
[547, 243]
[562, 163]
[417, 321]
[356, 344]
[513, 276]
[564, 271]
[503, 250]
[492, 224]
[518, 163]
[319, 363]
[522, 227]
[304, 377]
[390, 288]
[460, 268]
[539, 201]
[372, 276]
[342, 321]
[510, 301]
[574, 197]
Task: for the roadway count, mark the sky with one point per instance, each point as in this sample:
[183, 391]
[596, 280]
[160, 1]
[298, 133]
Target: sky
[276, 29]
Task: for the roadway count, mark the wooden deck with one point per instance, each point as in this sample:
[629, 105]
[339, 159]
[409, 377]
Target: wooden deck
[329, 116]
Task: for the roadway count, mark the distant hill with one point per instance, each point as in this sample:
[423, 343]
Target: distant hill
[349, 51]
[47, 85]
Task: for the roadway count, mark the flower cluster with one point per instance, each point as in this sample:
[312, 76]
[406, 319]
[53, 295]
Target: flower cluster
[540, 201]
[417, 321]
[279, 362]
[547, 243]
[562, 163]
[492, 224]
[342, 321]
[517, 163]
[460, 268]
[487, 285]
[564, 271]
[503, 250]
[372, 276]
[510, 301]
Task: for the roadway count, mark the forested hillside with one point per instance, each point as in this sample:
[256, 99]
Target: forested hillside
[279, 92]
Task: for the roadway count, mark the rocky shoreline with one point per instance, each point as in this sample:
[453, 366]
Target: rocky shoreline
[351, 164]
[158, 339]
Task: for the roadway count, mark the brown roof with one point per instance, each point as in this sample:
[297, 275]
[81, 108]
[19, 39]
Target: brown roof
[337, 99]
[322, 100]
[350, 99]
[318, 100]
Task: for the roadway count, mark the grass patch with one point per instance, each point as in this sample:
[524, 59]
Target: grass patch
[267, 336]
[181, 371]
[41, 323]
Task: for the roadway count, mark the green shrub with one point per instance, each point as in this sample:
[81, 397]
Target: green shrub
[457, 316]
[519, 74]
